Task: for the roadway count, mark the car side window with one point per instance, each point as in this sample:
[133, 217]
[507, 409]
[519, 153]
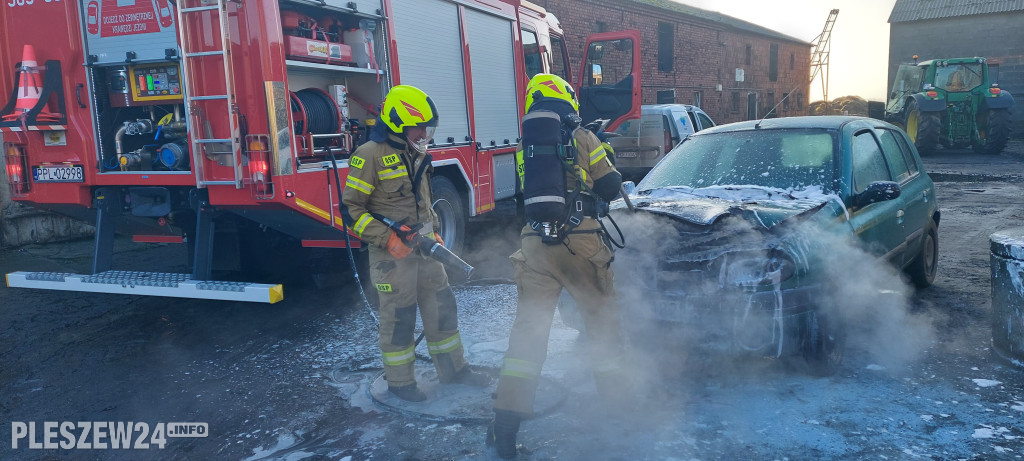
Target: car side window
[868, 162]
[705, 121]
[893, 153]
[693, 122]
[908, 155]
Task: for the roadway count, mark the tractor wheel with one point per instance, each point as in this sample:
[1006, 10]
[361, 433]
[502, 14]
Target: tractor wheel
[450, 213]
[922, 127]
[993, 131]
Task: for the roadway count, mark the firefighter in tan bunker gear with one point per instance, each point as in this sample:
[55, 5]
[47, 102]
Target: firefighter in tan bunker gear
[389, 177]
[580, 263]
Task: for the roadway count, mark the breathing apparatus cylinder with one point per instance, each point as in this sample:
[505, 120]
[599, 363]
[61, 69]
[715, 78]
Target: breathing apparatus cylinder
[543, 174]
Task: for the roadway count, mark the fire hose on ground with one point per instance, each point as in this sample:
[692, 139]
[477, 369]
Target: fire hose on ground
[435, 250]
[428, 246]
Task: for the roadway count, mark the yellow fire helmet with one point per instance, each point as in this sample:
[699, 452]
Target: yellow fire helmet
[550, 86]
[408, 106]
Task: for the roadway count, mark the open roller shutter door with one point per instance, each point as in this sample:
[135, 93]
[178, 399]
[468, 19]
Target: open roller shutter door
[430, 58]
[495, 107]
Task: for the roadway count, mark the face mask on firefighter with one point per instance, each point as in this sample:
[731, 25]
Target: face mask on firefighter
[419, 137]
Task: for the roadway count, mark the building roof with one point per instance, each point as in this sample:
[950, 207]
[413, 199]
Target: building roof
[921, 10]
[720, 18]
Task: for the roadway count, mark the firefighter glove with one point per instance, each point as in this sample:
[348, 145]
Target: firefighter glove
[397, 246]
[406, 233]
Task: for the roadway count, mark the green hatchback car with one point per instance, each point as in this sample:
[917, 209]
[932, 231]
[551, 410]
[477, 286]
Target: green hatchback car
[741, 222]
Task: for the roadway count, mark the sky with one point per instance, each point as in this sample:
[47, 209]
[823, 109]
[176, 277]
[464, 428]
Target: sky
[858, 62]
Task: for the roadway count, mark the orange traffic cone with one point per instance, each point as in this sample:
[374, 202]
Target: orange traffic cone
[29, 89]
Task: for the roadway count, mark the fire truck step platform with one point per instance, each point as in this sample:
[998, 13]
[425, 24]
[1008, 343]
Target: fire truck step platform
[148, 283]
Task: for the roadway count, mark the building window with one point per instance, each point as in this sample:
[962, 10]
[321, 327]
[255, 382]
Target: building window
[666, 45]
[750, 55]
[601, 26]
[792, 61]
[773, 62]
[666, 96]
[785, 101]
[769, 106]
[735, 104]
[799, 101]
[696, 98]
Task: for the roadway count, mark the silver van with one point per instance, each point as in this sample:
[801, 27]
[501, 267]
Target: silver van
[641, 144]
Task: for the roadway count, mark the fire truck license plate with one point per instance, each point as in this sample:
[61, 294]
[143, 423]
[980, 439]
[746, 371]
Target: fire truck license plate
[58, 173]
[627, 154]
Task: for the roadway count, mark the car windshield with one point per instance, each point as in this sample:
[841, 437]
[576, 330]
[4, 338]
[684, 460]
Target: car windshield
[790, 159]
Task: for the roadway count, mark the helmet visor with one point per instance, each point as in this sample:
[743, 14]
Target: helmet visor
[419, 137]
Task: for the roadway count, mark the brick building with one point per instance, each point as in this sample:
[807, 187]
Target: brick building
[732, 69]
[963, 28]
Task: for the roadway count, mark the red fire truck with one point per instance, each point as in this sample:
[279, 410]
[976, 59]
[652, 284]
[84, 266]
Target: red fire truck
[219, 123]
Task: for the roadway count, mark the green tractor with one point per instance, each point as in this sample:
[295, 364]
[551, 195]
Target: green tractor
[950, 102]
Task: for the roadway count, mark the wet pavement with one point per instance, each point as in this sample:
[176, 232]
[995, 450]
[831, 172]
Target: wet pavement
[297, 379]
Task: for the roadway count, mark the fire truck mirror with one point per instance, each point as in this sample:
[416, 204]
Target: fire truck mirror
[277, 117]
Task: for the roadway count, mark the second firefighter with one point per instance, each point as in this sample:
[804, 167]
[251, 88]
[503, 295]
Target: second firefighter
[567, 180]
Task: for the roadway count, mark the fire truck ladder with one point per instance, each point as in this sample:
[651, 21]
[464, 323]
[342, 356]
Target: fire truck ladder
[205, 98]
[819, 57]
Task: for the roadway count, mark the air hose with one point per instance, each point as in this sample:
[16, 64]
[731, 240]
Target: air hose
[351, 256]
[348, 240]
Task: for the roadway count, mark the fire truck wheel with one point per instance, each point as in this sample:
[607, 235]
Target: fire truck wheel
[450, 213]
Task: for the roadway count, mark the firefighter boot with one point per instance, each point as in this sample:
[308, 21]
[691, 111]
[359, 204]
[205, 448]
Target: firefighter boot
[469, 377]
[502, 433]
[409, 393]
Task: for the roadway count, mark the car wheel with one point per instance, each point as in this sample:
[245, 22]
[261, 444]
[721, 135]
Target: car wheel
[823, 344]
[993, 131]
[922, 270]
[922, 127]
[450, 213]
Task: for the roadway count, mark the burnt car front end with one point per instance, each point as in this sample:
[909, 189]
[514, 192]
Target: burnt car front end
[726, 284]
[736, 227]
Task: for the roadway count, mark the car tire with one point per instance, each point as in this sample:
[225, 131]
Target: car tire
[822, 345]
[451, 213]
[993, 131]
[922, 271]
[922, 127]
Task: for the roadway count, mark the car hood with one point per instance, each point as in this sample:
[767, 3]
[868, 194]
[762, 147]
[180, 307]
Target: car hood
[761, 207]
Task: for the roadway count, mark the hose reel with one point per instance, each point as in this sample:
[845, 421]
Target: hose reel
[315, 112]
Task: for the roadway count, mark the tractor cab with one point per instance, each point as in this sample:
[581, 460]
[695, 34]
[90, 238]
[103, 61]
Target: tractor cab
[950, 103]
